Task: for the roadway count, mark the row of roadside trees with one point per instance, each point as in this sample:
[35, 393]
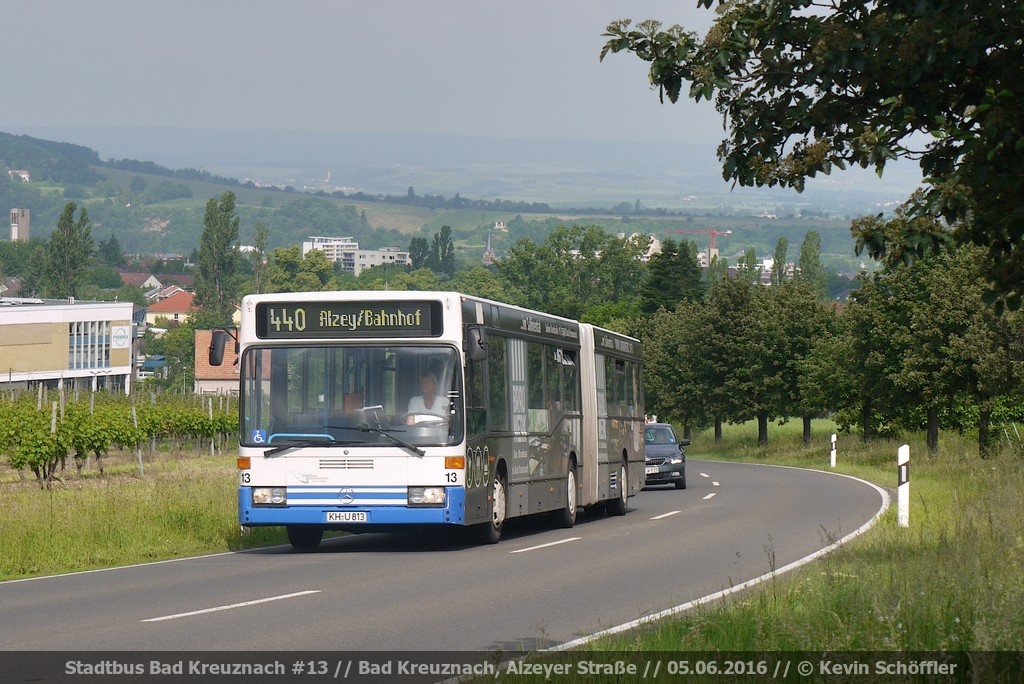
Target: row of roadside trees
[916, 348]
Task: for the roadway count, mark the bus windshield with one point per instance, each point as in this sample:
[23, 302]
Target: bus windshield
[373, 394]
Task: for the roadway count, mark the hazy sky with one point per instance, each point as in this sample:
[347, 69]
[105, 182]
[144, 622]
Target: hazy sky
[513, 69]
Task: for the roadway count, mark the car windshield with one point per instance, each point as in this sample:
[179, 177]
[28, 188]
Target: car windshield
[659, 435]
[335, 395]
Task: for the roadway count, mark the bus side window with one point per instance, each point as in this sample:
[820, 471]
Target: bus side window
[497, 382]
[476, 406]
[570, 381]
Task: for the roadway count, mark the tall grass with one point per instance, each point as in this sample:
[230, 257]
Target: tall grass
[952, 580]
[184, 506]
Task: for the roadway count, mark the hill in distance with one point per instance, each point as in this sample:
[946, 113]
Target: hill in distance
[678, 188]
[560, 172]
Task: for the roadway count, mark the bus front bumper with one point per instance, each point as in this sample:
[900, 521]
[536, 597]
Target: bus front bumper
[363, 507]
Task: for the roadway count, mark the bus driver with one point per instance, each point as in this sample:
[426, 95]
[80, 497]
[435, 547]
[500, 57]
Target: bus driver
[428, 402]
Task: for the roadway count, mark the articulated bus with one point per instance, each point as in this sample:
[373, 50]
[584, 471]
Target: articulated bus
[340, 430]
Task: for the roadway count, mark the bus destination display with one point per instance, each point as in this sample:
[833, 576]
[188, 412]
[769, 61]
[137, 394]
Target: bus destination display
[311, 320]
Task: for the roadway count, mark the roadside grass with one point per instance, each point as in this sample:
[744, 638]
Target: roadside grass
[953, 580]
[185, 505]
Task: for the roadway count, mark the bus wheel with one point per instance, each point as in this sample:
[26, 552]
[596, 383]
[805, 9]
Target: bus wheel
[566, 517]
[490, 532]
[617, 506]
[304, 536]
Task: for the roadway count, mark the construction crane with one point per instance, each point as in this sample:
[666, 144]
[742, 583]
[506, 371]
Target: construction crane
[701, 231]
[712, 232]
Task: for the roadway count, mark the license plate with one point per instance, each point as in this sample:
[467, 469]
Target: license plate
[651, 470]
[346, 516]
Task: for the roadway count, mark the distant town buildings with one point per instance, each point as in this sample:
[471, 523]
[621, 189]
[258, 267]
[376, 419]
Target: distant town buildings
[175, 308]
[20, 220]
[489, 256]
[67, 343]
[345, 251]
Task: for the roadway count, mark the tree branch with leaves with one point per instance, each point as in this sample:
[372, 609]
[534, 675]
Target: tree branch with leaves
[810, 87]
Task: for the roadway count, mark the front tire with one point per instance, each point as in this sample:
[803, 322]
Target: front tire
[617, 506]
[304, 537]
[490, 532]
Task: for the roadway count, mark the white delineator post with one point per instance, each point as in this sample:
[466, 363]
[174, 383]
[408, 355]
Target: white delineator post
[903, 486]
[832, 454]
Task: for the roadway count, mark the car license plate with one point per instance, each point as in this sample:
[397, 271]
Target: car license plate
[651, 470]
[347, 516]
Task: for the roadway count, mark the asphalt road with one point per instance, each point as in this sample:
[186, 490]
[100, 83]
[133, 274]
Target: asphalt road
[538, 588]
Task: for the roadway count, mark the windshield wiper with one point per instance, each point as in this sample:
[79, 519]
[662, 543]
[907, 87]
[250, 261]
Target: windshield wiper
[297, 444]
[384, 428]
[400, 442]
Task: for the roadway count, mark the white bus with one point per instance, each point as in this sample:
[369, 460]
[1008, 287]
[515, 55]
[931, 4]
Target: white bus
[339, 429]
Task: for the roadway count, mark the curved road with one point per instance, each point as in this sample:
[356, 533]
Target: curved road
[538, 588]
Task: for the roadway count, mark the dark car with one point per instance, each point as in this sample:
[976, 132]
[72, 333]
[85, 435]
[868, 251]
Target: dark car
[665, 462]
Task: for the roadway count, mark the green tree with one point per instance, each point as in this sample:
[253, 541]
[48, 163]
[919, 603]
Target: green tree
[442, 252]
[876, 311]
[959, 351]
[289, 271]
[218, 261]
[178, 346]
[749, 267]
[316, 271]
[671, 343]
[68, 254]
[259, 257]
[811, 269]
[422, 279]
[110, 253]
[480, 282]
[930, 354]
[779, 261]
[673, 276]
[739, 357]
[805, 320]
[827, 380]
[419, 253]
[809, 87]
[657, 292]
[105, 277]
[574, 270]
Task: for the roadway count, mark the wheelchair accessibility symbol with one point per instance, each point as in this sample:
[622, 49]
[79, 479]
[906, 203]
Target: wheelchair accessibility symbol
[259, 436]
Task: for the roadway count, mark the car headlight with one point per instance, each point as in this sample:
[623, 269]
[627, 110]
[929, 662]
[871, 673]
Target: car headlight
[676, 459]
[269, 496]
[426, 496]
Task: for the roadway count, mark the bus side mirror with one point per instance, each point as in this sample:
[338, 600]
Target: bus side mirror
[217, 341]
[476, 343]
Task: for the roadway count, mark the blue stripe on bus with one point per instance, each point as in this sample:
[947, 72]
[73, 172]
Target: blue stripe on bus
[397, 513]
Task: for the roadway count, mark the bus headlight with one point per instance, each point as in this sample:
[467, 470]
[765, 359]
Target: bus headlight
[426, 496]
[269, 496]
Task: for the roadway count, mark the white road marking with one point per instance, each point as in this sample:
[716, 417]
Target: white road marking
[664, 515]
[704, 475]
[714, 484]
[544, 546]
[709, 496]
[233, 605]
